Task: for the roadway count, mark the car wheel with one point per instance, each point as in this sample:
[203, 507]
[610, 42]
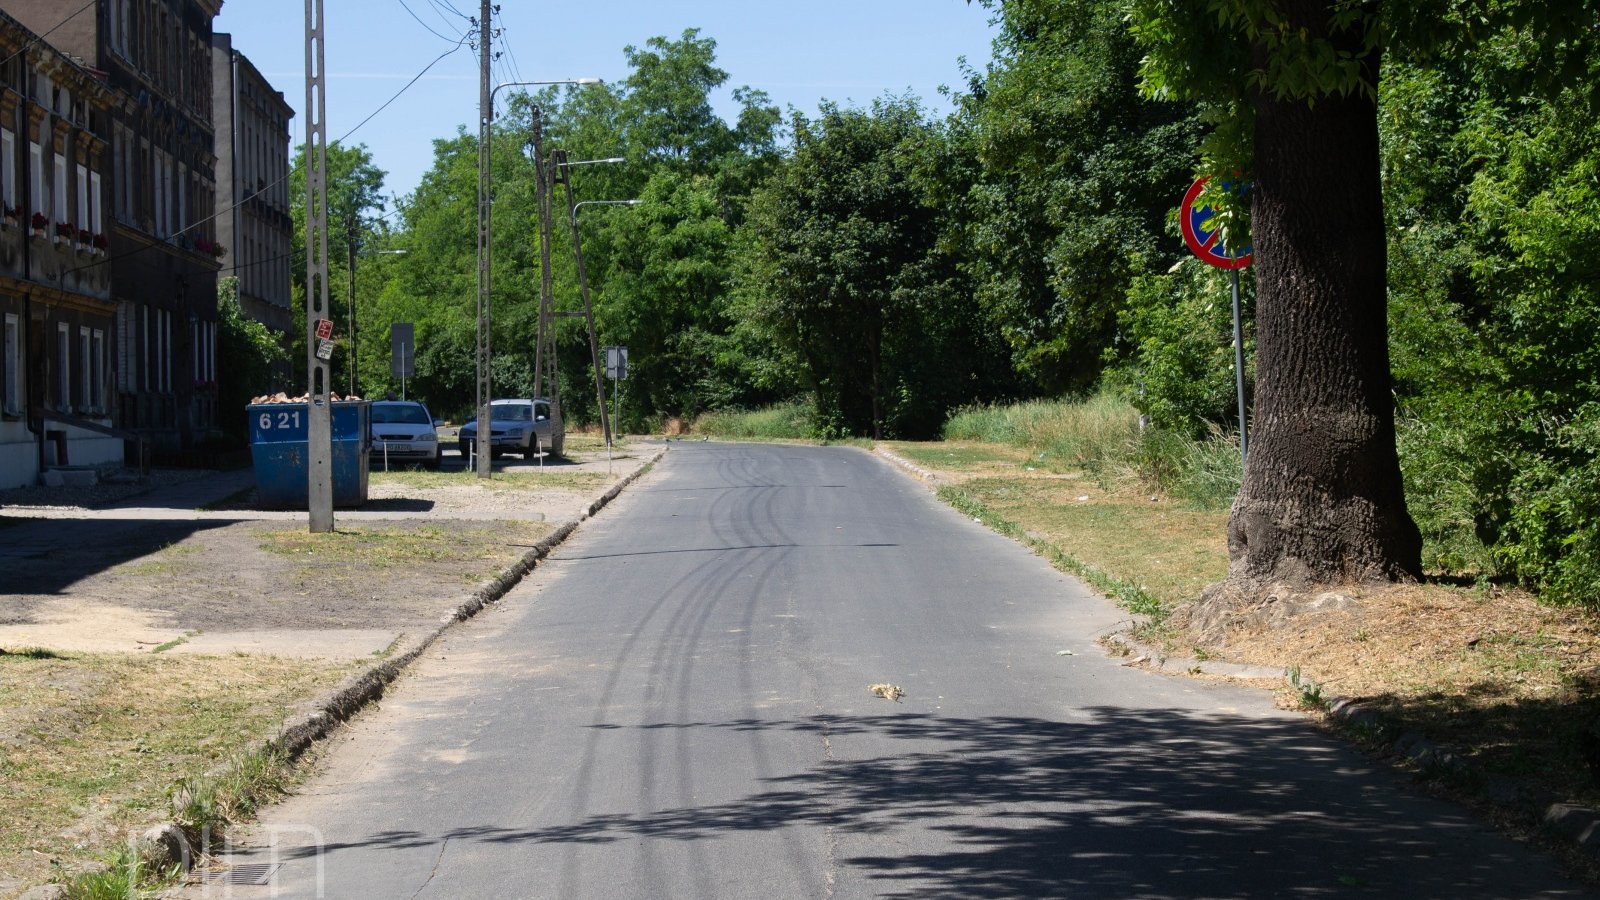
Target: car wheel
[465, 448]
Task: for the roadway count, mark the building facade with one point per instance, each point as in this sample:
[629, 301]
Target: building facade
[57, 397]
[252, 125]
[163, 246]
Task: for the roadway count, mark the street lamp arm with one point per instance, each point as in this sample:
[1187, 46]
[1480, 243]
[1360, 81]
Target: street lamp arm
[575, 206]
[506, 84]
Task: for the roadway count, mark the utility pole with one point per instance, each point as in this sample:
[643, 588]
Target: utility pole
[319, 412]
[542, 361]
[583, 288]
[485, 118]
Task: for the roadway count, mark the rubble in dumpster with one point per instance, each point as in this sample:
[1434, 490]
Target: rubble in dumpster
[281, 397]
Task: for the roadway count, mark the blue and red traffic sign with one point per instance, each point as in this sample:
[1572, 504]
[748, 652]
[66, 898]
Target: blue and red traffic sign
[1204, 242]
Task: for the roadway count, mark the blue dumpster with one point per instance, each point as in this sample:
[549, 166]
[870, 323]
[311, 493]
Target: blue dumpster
[278, 446]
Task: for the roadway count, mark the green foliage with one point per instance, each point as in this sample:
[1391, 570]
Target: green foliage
[1078, 173]
[1179, 332]
[781, 421]
[256, 363]
[842, 265]
[1090, 434]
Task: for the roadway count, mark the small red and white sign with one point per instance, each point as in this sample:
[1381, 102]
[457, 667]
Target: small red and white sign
[324, 329]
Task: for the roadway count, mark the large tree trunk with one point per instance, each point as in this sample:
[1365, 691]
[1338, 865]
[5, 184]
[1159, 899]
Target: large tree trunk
[1322, 500]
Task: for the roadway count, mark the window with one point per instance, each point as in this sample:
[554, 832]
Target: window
[82, 221]
[183, 196]
[97, 370]
[145, 355]
[119, 172]
[159, 198]
[8, 168]
[84, 370]
[60, 189]
[13, 369]
[96, 217]
[36, 178]
[127, 354]
[63, 366]
[166, 351]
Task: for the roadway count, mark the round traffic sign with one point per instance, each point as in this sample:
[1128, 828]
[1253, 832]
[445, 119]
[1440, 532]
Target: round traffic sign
[1204, 242]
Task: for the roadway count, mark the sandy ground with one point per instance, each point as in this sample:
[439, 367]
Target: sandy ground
[207, 581]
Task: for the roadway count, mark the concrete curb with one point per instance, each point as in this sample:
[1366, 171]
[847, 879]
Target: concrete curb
[326, 713]
[925, 475]
[299, 732]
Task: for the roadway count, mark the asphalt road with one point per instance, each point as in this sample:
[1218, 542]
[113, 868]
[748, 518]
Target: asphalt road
[677, 705]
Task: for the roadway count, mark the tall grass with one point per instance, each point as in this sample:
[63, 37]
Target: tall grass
[1101, 435]
[791, 420]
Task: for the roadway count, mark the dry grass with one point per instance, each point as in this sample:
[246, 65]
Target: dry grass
[1503, 682]
[355, 554]
[91, 744]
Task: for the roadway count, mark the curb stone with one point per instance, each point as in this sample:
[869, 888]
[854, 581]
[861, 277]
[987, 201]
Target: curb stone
[922, 474]
[300, 731]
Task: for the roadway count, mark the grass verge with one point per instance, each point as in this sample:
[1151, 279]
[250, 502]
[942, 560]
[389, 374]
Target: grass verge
[92, 745]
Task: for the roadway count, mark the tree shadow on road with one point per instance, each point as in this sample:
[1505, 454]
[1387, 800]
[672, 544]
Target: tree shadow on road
[1115, 802]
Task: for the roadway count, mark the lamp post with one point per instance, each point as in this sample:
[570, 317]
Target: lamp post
[485, 118]
[583, 287]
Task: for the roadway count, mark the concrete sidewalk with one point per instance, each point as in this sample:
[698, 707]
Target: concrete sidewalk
[180, 565]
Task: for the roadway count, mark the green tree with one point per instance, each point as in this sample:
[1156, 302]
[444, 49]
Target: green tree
[354, 192]
[1078, 173]
[254, 360]
[841, 261]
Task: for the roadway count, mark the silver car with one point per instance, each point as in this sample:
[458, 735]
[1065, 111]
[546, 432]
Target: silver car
[526, 427]
[403, 432]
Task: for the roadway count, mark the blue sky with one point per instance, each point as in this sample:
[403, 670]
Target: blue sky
[799, 53]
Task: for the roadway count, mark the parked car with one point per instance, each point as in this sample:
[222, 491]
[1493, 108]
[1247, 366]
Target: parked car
[516, 426]
[404, 432]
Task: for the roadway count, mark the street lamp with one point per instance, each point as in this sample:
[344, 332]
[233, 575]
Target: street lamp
[583, 286]
[485, 117]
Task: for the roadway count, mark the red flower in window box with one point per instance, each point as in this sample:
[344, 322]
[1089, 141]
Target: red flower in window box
[85, 236]
[100, 242]
[64, 229]
[40, 222]
[202, 244]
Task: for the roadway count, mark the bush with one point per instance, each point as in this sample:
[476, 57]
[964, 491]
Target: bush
[792, 420]
[1553, 537]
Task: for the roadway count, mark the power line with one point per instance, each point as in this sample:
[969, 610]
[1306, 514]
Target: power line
[425, 25]
[37, 38]
[276, 181]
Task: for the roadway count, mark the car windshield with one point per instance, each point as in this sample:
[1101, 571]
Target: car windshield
[409, 414]
[513, 412]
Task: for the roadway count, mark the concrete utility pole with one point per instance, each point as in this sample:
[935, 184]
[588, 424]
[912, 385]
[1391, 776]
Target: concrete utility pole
[319, 412]
[485, 117]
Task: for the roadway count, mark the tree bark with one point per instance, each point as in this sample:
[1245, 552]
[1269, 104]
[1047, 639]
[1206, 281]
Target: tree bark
[1322, 500]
